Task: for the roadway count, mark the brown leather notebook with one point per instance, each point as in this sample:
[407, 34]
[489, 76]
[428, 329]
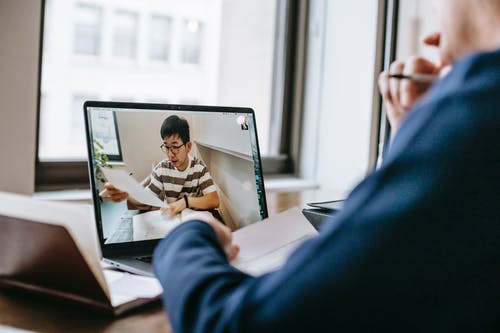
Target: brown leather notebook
[51, 248]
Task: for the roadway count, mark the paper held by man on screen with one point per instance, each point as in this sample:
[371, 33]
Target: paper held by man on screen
[265, 245]
[124, 181]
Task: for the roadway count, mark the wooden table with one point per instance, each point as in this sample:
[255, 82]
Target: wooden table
[41, 314]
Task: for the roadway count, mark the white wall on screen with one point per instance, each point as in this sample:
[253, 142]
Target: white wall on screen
[222, 131]
[232, 173]
[235, 180]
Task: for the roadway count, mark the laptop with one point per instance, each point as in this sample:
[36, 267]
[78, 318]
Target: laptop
[125, 146]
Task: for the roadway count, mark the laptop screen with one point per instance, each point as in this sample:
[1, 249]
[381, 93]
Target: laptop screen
[162, 163]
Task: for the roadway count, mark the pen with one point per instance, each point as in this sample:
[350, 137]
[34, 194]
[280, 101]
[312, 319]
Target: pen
[421, 78]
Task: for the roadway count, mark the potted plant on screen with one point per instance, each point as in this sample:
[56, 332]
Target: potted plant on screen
[101, 162]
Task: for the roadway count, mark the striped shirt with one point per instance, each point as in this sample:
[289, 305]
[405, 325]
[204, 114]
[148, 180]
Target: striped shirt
[172, 184]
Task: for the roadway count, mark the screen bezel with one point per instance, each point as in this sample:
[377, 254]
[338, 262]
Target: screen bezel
[148, 245]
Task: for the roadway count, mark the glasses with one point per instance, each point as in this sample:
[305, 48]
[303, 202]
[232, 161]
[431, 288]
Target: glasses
[172, 149]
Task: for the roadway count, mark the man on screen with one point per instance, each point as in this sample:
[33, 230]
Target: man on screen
[182, 180]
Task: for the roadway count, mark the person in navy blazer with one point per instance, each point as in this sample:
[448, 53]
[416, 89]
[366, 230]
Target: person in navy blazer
[416, 246]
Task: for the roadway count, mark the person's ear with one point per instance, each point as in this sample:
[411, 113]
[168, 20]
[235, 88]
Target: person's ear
[189, 146]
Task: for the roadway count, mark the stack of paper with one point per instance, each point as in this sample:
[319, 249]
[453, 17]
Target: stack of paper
[154, 225]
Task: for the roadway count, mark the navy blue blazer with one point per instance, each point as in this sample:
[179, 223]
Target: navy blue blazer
[415, 248]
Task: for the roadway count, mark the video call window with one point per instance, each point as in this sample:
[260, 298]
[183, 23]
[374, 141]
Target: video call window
[226, 166]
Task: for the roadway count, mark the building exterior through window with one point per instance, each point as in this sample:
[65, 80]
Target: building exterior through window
[212, 52]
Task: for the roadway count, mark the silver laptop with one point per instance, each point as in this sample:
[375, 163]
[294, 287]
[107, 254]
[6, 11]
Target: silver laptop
[126, 139]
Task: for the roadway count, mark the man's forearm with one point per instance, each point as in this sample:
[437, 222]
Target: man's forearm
[208, 201]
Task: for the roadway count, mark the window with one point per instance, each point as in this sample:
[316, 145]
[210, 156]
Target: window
[125, 34]
[62, 133]
[218, 52]
[192, 32]
[106, 134]
[312, 86]
[87, 38]
[408, 21]
[160, 38]
[341, 95]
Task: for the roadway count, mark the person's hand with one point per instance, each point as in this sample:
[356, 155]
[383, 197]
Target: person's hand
[115, 193]
[176, 207]
[223, 233]
[400, 95]
[173, 208]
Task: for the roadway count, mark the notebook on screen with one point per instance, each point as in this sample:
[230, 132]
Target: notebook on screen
[183, 158]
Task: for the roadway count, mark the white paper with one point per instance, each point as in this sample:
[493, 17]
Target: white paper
[124, 181]
[265, 245]
[125, 287]
[152, 225]
[78, 219]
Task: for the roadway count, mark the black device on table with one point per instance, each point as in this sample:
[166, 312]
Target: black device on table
[320, 212]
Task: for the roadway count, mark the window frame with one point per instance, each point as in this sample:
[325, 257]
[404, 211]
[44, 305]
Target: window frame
[381, 129]
[290, 94]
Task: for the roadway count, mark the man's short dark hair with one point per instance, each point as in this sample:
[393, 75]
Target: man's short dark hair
[175, 125]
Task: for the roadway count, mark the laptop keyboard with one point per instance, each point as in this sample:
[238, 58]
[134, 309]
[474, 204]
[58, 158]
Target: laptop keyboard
[146, 259]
